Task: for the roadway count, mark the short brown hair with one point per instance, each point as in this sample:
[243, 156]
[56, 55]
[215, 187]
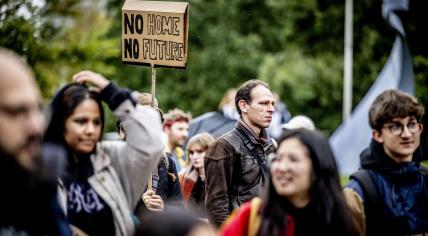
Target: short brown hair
[176, 115]
[392, 104]
[244, 92]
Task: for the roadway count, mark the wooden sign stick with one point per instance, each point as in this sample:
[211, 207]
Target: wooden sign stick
[150, 181]
[153, 84]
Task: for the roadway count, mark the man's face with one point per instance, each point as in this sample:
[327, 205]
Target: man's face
[21, 118]
[400, 138]
[178, 133]
[258, 113]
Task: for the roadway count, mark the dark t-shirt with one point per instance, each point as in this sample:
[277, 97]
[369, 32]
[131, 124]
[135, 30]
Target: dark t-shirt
[87, 211]
[197, 200]
[28, 202]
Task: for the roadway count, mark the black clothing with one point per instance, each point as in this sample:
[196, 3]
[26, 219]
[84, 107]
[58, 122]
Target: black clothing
[168, 186]
[307, 222]
[197, 199]
[28, 202]
[86, 210]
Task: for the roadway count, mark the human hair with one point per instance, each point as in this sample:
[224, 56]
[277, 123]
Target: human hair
[145, 99]
[63, 105]
[228, 97]
[203, 139]
[176, 115]
[392, 104]
[244, 92]
[325, 191]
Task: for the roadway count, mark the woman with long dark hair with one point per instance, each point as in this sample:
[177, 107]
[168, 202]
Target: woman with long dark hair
[103, 179]
[303, 196]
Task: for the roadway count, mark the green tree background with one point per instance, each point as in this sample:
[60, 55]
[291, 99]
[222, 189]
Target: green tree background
[295, 45]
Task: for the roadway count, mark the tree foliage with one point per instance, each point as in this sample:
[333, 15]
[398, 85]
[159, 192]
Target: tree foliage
[296, 46]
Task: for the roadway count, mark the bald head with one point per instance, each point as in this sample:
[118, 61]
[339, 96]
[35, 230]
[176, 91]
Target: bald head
[21, 120]
[13, 67]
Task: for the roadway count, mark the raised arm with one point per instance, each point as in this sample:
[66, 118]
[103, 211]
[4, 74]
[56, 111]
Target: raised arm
[135, 158]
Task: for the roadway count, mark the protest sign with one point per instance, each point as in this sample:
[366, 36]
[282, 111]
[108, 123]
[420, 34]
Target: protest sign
[155, 33]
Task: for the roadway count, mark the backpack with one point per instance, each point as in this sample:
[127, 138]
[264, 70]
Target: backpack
[370, 191]
[373, 201]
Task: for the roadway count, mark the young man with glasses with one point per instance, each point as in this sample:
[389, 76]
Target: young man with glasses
[389, 194]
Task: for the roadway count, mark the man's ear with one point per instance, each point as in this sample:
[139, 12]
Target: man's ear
[377, 135]
[243, 106]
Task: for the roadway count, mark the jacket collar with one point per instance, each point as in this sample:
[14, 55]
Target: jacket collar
[262, 139]
[100, 159]
[375, 158]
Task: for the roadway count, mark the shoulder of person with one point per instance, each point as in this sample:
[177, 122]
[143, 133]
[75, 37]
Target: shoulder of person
[356, 206]
[220, 149]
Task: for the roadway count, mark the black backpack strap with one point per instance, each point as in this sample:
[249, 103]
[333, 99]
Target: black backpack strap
[254, 153]
[424, 170]
[367, 185]
[373, 206]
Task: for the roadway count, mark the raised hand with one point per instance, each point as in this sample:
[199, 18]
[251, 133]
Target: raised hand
[95, 79]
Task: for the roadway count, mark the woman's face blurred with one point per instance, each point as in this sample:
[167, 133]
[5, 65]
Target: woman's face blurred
[83, 127]
[197, 155]
[291, 172]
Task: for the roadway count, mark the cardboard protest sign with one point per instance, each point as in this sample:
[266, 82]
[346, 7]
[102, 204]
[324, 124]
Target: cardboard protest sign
[155, 33]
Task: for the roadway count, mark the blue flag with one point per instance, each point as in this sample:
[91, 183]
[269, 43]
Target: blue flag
[354, 134]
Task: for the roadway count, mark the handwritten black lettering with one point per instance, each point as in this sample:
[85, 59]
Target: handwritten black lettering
[163, 25]
[154, 49]
[131, 48]
[135, 23]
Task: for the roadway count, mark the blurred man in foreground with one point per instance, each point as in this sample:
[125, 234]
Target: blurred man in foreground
[28, 203]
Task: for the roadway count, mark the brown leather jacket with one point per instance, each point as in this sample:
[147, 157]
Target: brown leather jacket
[232, 173]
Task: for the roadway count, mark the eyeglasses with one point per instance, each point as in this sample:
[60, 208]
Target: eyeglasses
[398, 128]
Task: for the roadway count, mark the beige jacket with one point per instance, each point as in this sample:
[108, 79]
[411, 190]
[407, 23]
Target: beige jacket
[122, 168]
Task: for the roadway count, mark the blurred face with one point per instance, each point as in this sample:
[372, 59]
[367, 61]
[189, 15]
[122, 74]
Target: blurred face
[202, 230]
[21, 118]
[291, 172]
[258, 114]
[196, 155]
[400, 138]
[178, 133]
[83, 127]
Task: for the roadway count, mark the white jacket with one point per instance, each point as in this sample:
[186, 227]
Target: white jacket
[121, 169]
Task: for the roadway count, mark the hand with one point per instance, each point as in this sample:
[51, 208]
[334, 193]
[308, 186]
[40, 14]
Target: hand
[153, 201]
[87, 76]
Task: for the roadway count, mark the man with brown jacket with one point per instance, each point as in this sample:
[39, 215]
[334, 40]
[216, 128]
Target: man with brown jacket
[235, 164]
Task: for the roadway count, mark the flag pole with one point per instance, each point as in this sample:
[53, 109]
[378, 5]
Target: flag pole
[347, 65]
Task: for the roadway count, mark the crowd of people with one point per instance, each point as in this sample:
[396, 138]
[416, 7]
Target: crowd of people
[60, 177]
